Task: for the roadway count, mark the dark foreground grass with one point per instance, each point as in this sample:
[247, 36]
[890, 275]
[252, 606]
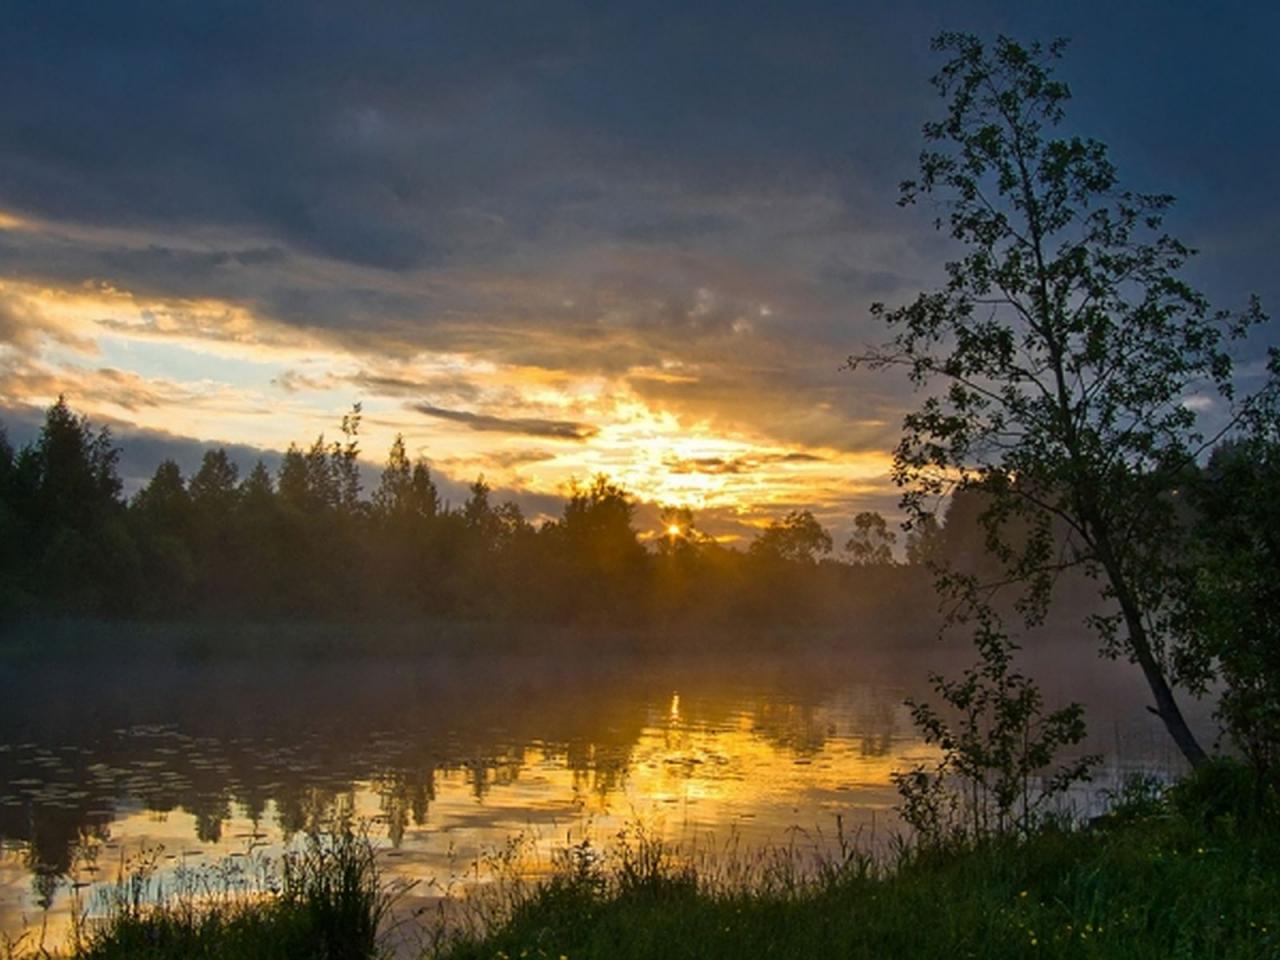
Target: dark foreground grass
[326, 902]
[1193, 872]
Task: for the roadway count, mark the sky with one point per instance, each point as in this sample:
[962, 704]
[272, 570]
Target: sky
[546, 240]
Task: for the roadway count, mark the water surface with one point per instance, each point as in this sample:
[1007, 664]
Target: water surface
[448, 756]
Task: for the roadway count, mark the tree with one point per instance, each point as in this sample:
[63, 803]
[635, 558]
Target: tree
[161, 516]
[82, 557]
[924, 541]
[678, 533]
[604, 562]
[393, 488]
[214, 492]
[998, 766]
[1232, 614]
[797, 538]
[260, 563]
[213, 488]
[1060, 355]
[292, 483]
[872, 541]
[478, 514]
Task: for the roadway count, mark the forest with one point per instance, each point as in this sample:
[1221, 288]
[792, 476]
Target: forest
[307, 542]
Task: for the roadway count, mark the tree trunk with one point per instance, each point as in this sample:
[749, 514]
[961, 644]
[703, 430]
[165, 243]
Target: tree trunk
[1166, 707]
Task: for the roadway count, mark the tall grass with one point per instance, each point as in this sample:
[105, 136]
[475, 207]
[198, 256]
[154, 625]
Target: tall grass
[325, 901]
[1187, 872]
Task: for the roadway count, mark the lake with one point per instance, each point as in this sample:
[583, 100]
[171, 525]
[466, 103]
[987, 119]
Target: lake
[448, 756]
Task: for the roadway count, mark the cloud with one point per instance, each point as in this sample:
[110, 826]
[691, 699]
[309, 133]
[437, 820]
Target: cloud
[515, 213]
[527, 426]
[747, 463]
[507, 459]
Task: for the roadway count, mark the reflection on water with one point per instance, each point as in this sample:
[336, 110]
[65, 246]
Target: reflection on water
[450, 756]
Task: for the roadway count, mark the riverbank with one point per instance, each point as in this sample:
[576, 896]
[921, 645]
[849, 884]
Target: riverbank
[1192, 871]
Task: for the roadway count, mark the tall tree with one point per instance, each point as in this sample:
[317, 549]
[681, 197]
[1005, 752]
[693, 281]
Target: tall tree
[215, 494]
[161, 517]
[84, 558]
[1060, 357]
[604, 560]
[871, 543]
[798, 538]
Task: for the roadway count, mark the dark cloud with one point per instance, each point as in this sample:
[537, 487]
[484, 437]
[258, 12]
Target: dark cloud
[403, 135]
[580, 187]
[748, 463]
[527, 426]
[506, 459]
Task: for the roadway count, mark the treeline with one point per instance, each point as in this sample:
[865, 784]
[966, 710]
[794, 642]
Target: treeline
[306, 542]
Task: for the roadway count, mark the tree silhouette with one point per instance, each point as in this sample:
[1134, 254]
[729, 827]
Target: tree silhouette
[306, 544]
[797, 538]
[162, 519]
[84, 559]
[1058, 356]
[872, 541]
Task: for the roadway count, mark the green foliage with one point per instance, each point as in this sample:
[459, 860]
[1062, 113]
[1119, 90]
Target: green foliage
[997, 772]
[1056, 359]
[1146, 888]
[1224, 794]
[1231, 610]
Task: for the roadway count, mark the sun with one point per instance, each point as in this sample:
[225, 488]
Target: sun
[674, 530]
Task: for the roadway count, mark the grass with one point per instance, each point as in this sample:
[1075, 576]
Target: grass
[323, 902]
[1189, 872]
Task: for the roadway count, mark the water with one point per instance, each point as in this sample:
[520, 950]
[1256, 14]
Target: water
[448, 756]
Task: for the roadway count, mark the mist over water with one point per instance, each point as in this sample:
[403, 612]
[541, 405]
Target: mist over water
[448, 755]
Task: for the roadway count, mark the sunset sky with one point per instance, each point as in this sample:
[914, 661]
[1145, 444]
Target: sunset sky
[544, 240]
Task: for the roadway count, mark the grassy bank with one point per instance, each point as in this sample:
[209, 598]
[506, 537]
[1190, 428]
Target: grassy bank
[1190, 872]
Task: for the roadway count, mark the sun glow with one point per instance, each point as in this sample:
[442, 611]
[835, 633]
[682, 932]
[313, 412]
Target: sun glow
[217, 372]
